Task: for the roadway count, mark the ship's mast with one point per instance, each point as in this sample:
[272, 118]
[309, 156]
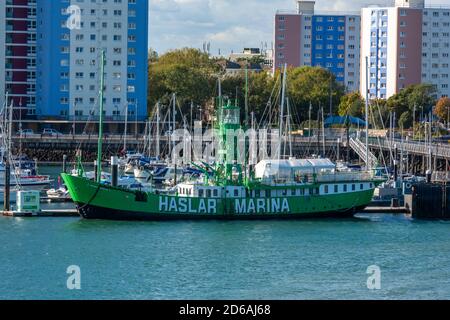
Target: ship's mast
[100, 123]
[126, 129]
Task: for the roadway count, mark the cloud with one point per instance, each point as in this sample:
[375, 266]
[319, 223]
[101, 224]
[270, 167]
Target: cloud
[229, 25]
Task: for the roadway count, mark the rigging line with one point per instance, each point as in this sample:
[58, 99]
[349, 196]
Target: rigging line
[384, 127]
[378, 140]
[268, 103]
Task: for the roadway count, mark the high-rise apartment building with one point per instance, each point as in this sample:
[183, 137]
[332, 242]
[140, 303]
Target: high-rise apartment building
[70, 38]
[405, 44]
[328, 40]
[50, 57]
[18, 53]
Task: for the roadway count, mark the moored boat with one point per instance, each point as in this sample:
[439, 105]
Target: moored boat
[272, 189]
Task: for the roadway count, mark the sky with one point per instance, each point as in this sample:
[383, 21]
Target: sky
[229, 25]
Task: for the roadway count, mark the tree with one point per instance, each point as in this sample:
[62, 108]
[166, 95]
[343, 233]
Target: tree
[442, 109]
[405, 120]
[312, 85]
[418, 96]
[260, 86]
[187, 72]
[352, 104]
[152, 56]
[379, 113]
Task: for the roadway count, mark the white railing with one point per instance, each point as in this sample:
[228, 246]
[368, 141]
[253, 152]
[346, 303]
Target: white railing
[415, 147]
[361, 151]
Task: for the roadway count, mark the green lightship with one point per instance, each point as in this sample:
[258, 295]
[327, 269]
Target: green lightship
[272, 189]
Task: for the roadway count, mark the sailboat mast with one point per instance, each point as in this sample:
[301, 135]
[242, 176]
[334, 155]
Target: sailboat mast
[173, 121]
[283, 97]
[220, 93]
[11, 110]
[246, 96]
[367, 113]
[289, 128]
[157, 130]
[126, 129]
[100, 123]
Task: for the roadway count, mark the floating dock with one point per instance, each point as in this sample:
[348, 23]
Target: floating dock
[43, 213]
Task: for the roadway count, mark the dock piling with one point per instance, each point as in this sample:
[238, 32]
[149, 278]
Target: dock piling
[7, 205]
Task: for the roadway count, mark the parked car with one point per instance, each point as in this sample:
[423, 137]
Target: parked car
[51, 132]
[25, 132]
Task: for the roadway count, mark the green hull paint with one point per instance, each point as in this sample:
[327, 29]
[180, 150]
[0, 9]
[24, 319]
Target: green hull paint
[92, 197]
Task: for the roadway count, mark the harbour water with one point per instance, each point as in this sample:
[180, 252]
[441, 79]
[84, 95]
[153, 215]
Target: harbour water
[310, 259]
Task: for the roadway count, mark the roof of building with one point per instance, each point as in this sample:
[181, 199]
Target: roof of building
[338, 120]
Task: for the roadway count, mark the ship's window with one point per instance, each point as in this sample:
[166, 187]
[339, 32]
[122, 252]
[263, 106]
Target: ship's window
[200, 193]
[361, 186]
[263, 193]
[215, 193]
[353, 187]
[283, 192]
[336, 190]
[236, 193]
[257, 193]
[274, 193]
[208, 193]
[316, 191]
[326, 188]
[371, 185]
[345, 188]
[302, 192]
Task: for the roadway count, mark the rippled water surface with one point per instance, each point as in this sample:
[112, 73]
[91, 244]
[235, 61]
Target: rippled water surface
[225, 260]
[310, 259]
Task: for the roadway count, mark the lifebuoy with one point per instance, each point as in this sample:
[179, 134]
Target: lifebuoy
[408, 185]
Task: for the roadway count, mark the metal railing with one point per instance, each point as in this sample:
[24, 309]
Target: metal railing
[361, 151]
[414, 147]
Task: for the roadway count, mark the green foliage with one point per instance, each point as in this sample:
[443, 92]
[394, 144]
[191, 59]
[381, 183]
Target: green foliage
[260, 86]
[192, 75]
[379, 113]
[442, 109]
[420, 95]
[405, 120]
[186, 72]
[312, 85]
[352, 104]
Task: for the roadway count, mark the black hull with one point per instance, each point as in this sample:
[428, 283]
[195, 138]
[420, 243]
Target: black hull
[99, 213]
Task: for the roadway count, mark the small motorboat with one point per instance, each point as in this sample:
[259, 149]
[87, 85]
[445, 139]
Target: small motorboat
[58, 194]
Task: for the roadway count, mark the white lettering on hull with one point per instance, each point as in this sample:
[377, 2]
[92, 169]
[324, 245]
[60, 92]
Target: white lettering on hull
[186, 205]
[209, 206]
[262, 206]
